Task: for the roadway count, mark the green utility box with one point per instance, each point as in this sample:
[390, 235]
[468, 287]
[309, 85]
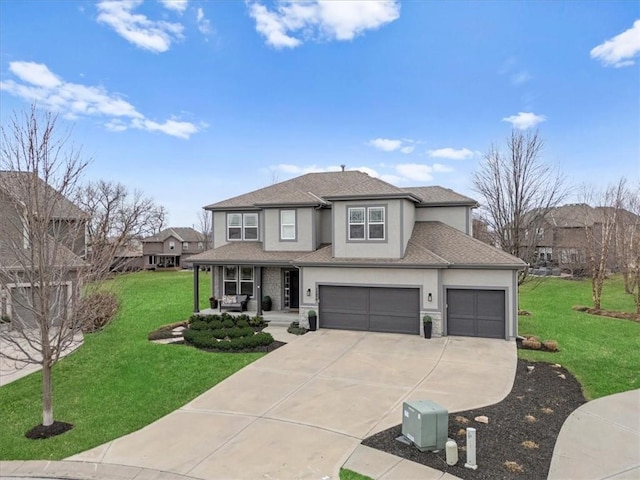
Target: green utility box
[425, 424]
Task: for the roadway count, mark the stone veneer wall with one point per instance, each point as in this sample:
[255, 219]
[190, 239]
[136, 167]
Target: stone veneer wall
[303, 318]
[272, 286]
[438, 324]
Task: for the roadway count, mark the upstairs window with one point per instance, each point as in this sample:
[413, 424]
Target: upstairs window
[185, 245]
[172, 245]
[366, 223]
[242, 226]
[287, 224]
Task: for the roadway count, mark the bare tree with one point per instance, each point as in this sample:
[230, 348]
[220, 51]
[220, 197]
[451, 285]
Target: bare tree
[518, 189]
[205, 227]
[627, 242]
[41, 243]
[599, 227]
[117, 219]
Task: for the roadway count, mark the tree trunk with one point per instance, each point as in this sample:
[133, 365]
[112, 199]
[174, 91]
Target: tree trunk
[47, 394]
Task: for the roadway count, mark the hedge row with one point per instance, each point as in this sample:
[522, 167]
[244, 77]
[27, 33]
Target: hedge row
[205, 339]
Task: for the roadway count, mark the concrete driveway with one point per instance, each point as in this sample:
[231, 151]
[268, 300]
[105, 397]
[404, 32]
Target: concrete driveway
[300, 411]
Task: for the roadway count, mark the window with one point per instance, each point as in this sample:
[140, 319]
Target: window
[242, 226]
[200, 246]
[235, 284]
[287, 224]
[366, 223]
[185, 245]
[172, 245]
[540, 232]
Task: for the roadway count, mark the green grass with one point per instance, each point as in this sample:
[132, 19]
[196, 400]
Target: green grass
[346, 474]
[118, 381]
[603, 353]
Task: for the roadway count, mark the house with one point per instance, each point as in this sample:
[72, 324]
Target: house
[172, 247]
[37, 222]
[364, 254]
[561, 239]
[128, 257]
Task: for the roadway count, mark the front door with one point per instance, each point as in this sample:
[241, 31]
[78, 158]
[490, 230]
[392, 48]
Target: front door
[291, 293]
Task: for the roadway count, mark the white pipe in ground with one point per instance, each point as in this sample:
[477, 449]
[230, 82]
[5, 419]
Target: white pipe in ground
[471, 449]
[451, 450]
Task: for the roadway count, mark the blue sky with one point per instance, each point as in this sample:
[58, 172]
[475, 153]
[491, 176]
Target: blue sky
[195, 101]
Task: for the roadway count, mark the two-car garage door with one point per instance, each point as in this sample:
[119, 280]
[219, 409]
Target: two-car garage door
[476, 313]
[374, 309]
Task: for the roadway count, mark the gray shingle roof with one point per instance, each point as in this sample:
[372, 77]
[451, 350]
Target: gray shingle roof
[183, 234]
[19, 184]
[432, 245]
[435, 195]
[319, 188]
[245, 253]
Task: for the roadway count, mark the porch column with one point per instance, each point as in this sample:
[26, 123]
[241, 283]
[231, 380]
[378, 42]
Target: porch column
[258, 274]
[196, 288]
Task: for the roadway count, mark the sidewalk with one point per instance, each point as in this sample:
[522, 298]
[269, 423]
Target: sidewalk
[600, 440]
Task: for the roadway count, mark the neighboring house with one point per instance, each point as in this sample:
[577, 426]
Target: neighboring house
[561, 240]
[65, 247]
[172, 247]
[364, 254]
[128, 257]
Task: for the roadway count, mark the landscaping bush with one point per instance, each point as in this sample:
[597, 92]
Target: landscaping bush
[257, 322]
[296, 329]
[532, 344]
[204, 339]
[550, 345]
[228, 323]
[96, 310]
[165, 331]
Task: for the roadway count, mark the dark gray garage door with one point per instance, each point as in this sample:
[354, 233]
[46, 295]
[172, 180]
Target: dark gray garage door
[476, 313]
[375, 309]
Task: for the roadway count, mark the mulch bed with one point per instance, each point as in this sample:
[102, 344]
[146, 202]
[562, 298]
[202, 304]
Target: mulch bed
[263, 349]
[534, 411]
[40, 431]
[609, 313]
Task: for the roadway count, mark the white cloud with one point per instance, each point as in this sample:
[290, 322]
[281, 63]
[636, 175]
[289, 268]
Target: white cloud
[524, 120]
[177, 5]
[35, 74]
[320, 19]
[520, 77]
[408, 149]
[415, 171]
[152, 35]
[451, 153]
[385, 144]
[621, 49]
[73, 100]
[204, 25]
[405, 145]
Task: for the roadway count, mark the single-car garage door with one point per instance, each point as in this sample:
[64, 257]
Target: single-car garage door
[375, 309]
[476, 313]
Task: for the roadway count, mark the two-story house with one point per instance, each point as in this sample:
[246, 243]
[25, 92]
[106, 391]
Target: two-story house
[172, 247]
[364, 254]
[42, 239]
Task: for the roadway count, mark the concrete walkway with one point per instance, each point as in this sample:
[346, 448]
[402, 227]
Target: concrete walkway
[11, 370]
[302, 410]
[600, 440]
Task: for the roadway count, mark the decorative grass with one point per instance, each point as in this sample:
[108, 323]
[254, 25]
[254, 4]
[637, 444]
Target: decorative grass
[118, 381]
[602, 352]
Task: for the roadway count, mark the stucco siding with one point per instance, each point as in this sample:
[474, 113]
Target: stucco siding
[219, 229]
[304, 231]
[390, 247]
[456, 217]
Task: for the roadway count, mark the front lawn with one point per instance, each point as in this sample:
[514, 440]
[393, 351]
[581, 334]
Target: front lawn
[603, 353]
[118, 381]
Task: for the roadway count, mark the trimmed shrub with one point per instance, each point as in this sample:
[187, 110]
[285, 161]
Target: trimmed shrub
[296, 329]
[228, 323]
[204, 339]
[550, 345]
[257, 322]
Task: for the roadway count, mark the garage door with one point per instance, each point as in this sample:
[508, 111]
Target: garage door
[476, 313]
[22, 308]
[375, 309]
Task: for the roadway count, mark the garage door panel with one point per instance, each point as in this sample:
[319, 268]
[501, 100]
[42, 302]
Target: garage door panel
[476, 313]
[341, 299]
[370, 308]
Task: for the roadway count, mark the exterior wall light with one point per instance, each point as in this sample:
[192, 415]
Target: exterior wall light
[430, 297]
[308, 292]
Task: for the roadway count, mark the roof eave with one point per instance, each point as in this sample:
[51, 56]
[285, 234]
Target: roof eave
[375, 196]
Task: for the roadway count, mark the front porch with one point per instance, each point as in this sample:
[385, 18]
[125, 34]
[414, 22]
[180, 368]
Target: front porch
[281, 318]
